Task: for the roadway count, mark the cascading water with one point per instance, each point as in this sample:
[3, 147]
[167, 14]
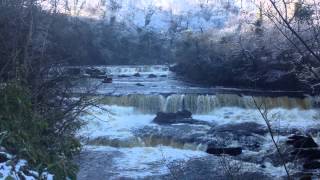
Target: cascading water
[123, 128]
[131, 70]
[202, 104]
[116, 70]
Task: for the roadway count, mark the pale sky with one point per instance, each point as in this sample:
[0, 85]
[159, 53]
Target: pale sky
[177, 6]
[135, 11]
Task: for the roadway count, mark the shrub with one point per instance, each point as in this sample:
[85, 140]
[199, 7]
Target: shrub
[31, 136]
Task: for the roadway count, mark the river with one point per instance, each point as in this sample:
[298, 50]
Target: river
[122, 142]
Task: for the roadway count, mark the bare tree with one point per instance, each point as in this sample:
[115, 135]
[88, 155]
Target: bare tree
[263, 110]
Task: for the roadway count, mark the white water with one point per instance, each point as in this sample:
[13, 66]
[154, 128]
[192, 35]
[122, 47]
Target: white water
[131, 108]
[135, 162]
[279, 117]
[120, 122]
[131, 70]
[116, 122]
[202, 104]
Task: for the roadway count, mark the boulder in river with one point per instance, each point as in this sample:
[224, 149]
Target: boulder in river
[307, 153]
[248, 135]
[137, 75]
[306, 149]
[232, 151]
[299, 141]
[107, 80]
[242, 129]
[139, 84]
[3, 158]
[74, 71]
[312, 165]
[95, 73]
[170, 118]
[152, 76]
[123, 76]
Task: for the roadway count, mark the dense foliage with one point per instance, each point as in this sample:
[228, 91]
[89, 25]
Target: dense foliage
[34, 136]
[267, 53]
[38, 115]
[83, 41]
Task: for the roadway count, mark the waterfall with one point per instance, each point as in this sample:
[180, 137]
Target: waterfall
[202, 104]
[149, 141]
[130, 70]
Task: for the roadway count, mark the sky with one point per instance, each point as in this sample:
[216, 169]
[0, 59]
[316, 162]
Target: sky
[176, 6]
[135, 11]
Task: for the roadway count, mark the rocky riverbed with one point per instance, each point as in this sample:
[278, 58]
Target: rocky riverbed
[137, 133]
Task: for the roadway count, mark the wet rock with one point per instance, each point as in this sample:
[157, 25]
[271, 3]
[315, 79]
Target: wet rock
[250, 136]
[302, 175]
[123, 76]
[306, 149]
[263, 166]
[187, 136]
[232, 151]
[97, 76]
[74, 71]
[311, 165]
[152, 76]
[3, 158]
[306, 177]
[107, 80]
[139, 84]
[26, 171]
[299, 141]
[163, 76]
[170, 118]
[211, 168]
[95, 73]
[307, 153]
[137, 75]
[243, 129]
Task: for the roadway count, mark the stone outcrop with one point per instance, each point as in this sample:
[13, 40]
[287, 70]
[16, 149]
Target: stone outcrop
[95, 73]
[170, 118]
[152, 76]
[299, 141]
[305, 150]
[232, 151]
[107, 80]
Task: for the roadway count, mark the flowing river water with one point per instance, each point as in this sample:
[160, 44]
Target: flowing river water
[122, 142]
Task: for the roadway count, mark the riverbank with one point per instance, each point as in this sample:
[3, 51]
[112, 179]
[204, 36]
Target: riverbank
[264, 73]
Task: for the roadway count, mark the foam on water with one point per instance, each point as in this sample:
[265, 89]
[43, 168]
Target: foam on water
[131, 70]
[117, 122]
[278, 117]
[120, 122]
[141, 162]
[113, 121]
[128, 108]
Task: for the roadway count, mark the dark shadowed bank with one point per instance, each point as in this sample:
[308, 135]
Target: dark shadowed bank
[263, 69]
